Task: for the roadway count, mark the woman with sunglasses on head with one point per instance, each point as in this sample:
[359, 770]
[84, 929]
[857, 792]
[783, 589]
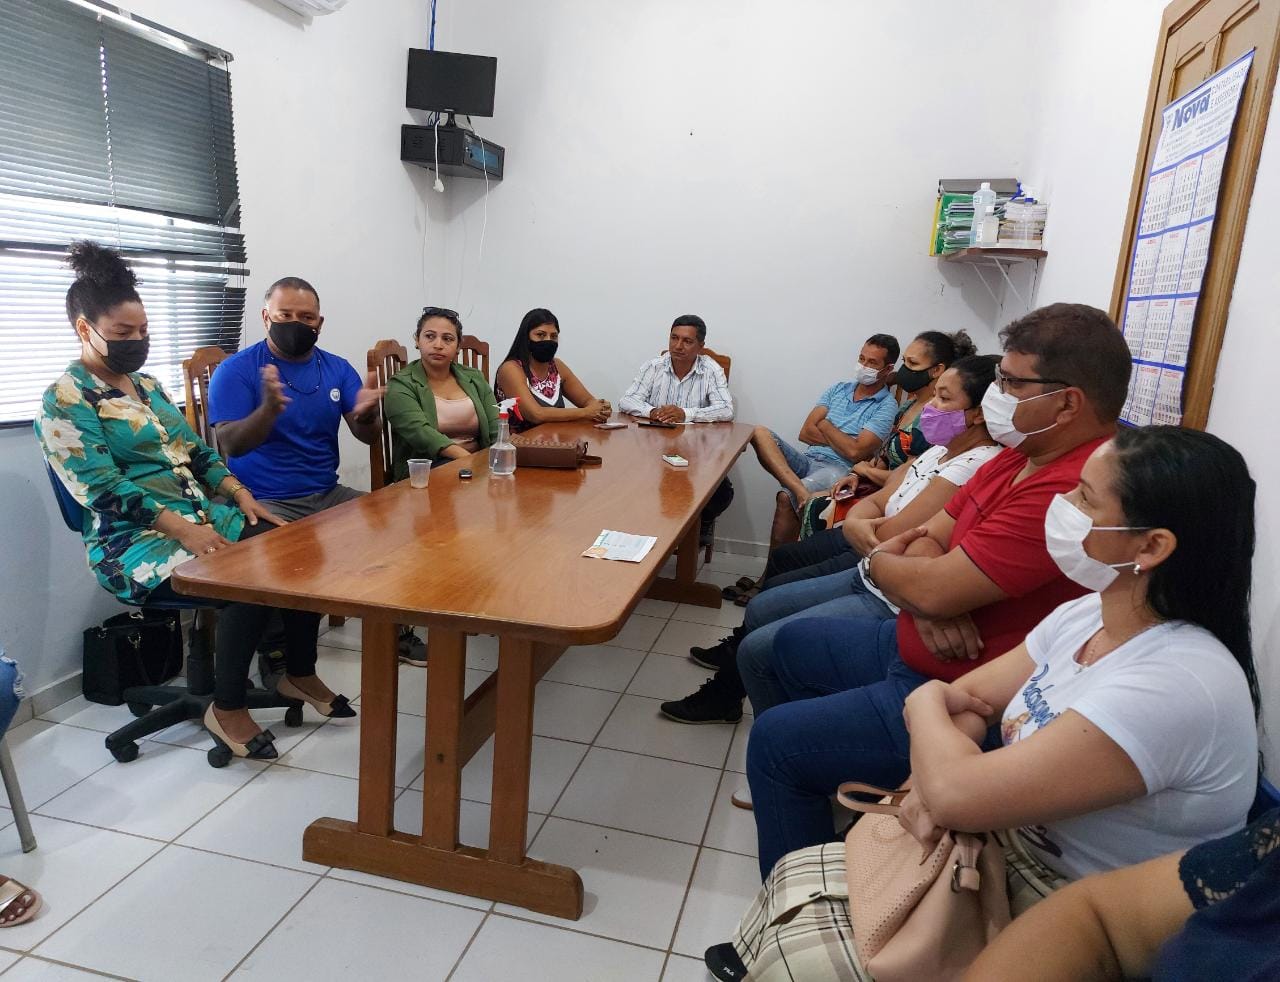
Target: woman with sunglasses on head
[437, 407]
[543, 383]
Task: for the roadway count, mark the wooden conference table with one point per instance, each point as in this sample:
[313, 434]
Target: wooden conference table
[492, 555]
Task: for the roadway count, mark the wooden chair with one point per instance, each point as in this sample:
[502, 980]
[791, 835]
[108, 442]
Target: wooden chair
[724, 361]
[196, 373]
[474, 353]
[385, 359]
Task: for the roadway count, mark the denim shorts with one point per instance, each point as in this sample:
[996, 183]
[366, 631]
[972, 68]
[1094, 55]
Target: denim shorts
[814, 474]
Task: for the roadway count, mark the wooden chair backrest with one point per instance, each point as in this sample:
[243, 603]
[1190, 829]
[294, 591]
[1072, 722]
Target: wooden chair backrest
[385, 359]
[724, 361]
[196, 372]
[474, 353]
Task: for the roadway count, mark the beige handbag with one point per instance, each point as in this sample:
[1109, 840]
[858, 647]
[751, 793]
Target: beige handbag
[919, 917]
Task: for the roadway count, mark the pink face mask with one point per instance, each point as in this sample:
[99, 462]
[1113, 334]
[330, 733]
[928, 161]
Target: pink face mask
[941, 426]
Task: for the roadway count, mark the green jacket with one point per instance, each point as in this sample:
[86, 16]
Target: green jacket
[410, 408]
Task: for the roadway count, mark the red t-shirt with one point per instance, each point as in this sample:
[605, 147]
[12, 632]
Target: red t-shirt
[1000, 527]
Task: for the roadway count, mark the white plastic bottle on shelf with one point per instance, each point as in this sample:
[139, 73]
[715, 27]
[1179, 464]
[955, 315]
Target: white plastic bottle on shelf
[502, 455]
[986, 226]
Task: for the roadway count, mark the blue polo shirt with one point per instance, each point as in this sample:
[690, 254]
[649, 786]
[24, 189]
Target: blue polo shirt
[849, 415]
[300, 457]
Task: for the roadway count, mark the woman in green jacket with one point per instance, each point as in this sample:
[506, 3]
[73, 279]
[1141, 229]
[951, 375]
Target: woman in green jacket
[437, 408]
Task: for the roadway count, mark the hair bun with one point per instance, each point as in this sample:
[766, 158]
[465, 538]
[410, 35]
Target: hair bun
[964, 344]
[99, 265]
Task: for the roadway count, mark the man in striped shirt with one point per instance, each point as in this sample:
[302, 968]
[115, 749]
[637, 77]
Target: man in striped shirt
[683, 385]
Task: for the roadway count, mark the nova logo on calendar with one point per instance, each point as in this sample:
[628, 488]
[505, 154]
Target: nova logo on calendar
[1192, 109]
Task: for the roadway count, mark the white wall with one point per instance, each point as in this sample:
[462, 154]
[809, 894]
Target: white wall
[1092, 124]
[772, 168]
[318, 108]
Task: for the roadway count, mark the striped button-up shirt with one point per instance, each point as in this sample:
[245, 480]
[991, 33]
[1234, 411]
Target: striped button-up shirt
[703, 394]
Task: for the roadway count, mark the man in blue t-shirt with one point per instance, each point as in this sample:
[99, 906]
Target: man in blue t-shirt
[276, 407]
[849, 424]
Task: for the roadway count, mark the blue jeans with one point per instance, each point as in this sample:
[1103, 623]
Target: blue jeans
[838, 595]
[815, 473]
[10, 691]
[845, 724]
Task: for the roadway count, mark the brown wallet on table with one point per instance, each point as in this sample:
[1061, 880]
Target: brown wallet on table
[532, 451]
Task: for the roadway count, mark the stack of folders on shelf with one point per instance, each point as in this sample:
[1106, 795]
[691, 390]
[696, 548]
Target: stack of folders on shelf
[953, 213]
[1022, 226]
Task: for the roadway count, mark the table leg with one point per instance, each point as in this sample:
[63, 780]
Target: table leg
[442, 782]
[512, 751]
[435, 859]
[685, 588]
[379, 678]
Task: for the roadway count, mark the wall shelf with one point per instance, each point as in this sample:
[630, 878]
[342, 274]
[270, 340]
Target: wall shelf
[1002, 258]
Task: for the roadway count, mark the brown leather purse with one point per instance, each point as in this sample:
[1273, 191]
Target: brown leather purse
[535, 451]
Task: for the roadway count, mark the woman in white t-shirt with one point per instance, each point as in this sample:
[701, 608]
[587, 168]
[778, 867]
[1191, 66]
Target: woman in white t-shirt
[1148, 681]
[1128, 717]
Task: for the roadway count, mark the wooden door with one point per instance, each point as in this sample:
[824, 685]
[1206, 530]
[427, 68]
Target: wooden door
[1198, 38]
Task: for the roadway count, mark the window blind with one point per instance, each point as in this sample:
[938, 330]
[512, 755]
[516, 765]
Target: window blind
[112, 131]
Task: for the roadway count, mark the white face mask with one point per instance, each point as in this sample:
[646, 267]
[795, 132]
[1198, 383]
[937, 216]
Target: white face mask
[998, 409]
[1065, 529]
[868, 375]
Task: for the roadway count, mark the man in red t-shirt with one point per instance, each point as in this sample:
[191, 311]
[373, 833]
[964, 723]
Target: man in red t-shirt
[970, 584]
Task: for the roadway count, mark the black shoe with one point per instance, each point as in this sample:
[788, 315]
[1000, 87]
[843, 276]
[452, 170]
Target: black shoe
[411, 648]
[721, 654]
[723, 962]
[712, 703]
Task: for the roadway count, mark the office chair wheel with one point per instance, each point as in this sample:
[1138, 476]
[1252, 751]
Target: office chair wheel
[139, 709]
[293, 715]
[219, 756]
[124, 752]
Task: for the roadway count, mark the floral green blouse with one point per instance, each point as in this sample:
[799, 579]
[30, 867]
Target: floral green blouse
[125, 460]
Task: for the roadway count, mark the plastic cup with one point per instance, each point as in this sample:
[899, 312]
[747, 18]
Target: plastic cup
[419, 473]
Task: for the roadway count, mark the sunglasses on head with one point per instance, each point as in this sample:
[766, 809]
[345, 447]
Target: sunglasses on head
[439, 312]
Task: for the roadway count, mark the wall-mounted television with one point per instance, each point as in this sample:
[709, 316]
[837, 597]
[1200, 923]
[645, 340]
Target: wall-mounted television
[447, 82]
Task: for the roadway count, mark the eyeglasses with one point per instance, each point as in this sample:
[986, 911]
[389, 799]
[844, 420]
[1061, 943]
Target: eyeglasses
[1003, 381]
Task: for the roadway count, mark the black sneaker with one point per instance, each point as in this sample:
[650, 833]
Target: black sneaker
[712, 703]
[411, 648]
[723, 962]
[720, 655]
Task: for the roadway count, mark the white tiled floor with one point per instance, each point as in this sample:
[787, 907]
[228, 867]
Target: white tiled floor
[165, 868]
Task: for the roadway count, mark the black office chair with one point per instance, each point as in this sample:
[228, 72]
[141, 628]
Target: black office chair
[160, 706]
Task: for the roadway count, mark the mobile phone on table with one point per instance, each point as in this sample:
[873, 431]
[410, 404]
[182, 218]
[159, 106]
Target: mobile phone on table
[658, 425]
[675, 460]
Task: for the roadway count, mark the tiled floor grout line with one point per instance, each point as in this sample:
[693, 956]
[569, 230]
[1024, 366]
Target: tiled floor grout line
[280, 920]
[71, 965]
[81, 911]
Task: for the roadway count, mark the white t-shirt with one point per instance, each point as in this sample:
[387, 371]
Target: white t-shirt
[1176, 702]
[929, 465]
[924, 469]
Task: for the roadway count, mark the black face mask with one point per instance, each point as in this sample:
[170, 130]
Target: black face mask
[123, 357]
[913, 379]
[543, 351]
[293, 338]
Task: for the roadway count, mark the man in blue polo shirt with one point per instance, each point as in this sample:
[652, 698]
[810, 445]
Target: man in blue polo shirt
[849, 423]
[276, 407]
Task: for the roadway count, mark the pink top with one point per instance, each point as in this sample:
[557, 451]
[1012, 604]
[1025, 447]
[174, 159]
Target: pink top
[456, 418]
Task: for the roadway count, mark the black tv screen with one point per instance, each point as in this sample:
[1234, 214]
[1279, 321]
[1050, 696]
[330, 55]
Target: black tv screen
[443, 81]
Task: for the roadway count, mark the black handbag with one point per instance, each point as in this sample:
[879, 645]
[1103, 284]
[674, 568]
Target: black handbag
[142, 647]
